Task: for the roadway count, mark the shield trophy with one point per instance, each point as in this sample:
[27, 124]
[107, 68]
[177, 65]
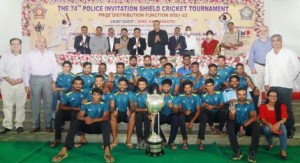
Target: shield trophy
[155, 104]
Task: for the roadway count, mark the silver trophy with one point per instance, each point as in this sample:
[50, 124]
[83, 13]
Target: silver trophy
[155, 104]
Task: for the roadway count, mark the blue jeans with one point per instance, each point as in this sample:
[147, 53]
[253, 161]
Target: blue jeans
[282, 138]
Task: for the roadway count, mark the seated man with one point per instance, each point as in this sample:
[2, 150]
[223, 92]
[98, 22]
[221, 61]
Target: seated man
[93, 119]
[142, 114]
[243, 120]
[169, 75]
[168, 114]
[113, 79]
[122, 107]
[68, 108]
[189, 106]
[212, 74]
[213, 103]
[195, 76]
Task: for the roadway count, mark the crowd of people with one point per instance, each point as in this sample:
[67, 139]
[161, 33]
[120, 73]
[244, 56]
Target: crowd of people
[95, 102]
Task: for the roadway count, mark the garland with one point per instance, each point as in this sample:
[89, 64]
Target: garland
[203, 60]
[27, 4]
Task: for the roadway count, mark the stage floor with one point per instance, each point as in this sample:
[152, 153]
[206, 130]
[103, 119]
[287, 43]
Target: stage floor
[40, 152]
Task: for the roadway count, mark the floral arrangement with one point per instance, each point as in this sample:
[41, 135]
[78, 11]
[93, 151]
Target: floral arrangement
[203, 60]
[259, 5]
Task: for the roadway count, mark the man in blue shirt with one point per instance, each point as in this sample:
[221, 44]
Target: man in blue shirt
[224, 71]
[257, 57]
[122, 107]
[93, 119]
[113, 80]
[168, 114]
[148, 72]
[68, 108]
[168, 75]
[86, 76]
[189, 105]
[243, 120]
[186, 68]
[229, 94]
[246, 82]
[63, 83]
[212, 74]
[195, 77]
[132, 69]
[102, 71]
[213, 104]
[141, 114]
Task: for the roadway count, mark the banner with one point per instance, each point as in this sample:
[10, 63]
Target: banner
[60, 22]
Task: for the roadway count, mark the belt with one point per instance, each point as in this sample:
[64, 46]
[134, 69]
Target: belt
[189, 50]
[260, 64]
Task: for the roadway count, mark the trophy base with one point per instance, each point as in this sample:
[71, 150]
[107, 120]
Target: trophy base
[154, 148]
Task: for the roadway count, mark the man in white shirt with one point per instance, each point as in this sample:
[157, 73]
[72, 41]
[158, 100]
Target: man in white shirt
[12, 87]
[40, 73]
[191, 42]
[282, 68]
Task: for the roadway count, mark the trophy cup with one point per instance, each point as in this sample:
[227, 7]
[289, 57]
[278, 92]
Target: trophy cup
[155, 104]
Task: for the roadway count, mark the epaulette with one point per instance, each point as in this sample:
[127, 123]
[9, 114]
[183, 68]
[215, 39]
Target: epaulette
[181, 95]
[69, 93]
[217, 92]
[88, 103]
[60, 73]
[79, 74]
[193, 94]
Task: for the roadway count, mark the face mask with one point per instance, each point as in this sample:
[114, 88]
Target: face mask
[209, 36]
[188, 32]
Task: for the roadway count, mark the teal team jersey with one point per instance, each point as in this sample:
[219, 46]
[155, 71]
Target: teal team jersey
[73, 99]
[122, 100]
[94, 110]
[242, 114]
[188, 103]
[65, 81]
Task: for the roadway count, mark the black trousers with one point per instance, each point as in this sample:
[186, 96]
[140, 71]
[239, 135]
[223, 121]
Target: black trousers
[141, 117]
[220, 116]
[253, 130]
[202, 119]
[95, 128]
[285, 96]
[173, 120]
[255, 100]
[60, 117]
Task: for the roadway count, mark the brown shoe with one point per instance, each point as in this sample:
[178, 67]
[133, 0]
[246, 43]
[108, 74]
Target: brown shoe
[49, 129]
[35, 130]
[283, 155]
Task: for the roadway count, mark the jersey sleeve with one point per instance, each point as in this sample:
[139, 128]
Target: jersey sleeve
[64, 99]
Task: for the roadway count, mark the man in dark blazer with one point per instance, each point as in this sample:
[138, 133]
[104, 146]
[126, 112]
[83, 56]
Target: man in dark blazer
[177, 43]
[137, 45]
[112, 42]
[157, 39]
[82, 42]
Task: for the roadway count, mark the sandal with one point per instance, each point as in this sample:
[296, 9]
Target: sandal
[54, 144]
[185, 146]
[109, 158]
[173, 146]
[269, 147]
[129, 146]
[201, 147]
[59, 157]
[112, 146]
[79, 144]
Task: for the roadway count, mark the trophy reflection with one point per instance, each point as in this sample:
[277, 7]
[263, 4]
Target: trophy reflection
[155, 104]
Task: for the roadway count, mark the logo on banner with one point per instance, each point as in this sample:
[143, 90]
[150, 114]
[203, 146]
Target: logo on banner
[246, 13]
[39, 12]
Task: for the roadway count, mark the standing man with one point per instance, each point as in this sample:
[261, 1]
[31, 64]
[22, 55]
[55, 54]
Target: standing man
[177, 43]
[257, 57]
[98, 43]
[231, 41]
[123, 43]
[186, 68]
[157, 39]
[191, 42]
[282, 68]
[12, 87]
[137, 44]
[82, 41]
[112, 41]
[40, 73]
